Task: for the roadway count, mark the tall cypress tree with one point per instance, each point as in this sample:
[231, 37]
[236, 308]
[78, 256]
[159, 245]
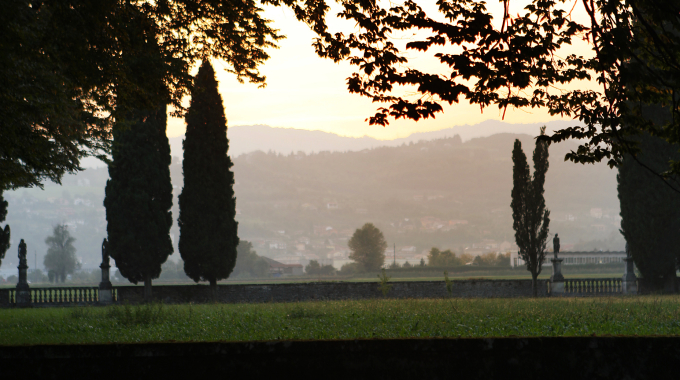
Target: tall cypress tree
[139, 191]
[4, 233]
[530, 217]
[650, 211]
[139, 198]
[207, 206]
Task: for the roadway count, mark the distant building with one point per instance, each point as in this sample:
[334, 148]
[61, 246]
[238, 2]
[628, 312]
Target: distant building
[278, 269]
[277, 245]
[575, 258]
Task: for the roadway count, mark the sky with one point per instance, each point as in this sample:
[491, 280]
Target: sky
[307, 92]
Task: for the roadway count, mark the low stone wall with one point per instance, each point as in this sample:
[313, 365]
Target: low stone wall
[490, 358]
[332, 291]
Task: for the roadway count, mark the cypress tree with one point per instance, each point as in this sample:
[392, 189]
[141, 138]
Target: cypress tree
[650, 211]
[207, 206]
[530, 217]
[4, 233]
[139, 198]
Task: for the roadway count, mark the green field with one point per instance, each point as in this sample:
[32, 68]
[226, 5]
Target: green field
[644, 315]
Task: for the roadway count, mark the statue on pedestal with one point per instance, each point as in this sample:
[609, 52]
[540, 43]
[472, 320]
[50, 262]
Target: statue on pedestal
[105, 286]
[23, 296]
[557, 279]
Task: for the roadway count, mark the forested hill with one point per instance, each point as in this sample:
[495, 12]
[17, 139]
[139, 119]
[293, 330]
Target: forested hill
[462, 178]
[440, 192]
[443, 179]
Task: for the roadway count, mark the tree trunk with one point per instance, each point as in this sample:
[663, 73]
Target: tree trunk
[534, 287]
[147, 288]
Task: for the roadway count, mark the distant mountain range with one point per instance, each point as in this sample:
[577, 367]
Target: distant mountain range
[249, 138]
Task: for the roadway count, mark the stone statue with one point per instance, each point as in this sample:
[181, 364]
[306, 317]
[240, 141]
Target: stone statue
[556, 245]
[22, 253]
[628, 251]
[105, 254]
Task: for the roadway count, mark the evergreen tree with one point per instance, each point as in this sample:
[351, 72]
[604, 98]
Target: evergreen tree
[60, 259]
[530, 217]
[650, 211]
[207, 206]
[4, 233]
[367, 247]
[139, 198]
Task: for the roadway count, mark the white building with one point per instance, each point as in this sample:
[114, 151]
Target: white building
[575, 258]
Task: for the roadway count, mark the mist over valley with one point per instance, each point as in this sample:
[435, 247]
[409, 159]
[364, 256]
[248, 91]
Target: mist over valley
[298, 204]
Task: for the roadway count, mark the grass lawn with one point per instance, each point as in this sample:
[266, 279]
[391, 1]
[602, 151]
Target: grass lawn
[643, 315]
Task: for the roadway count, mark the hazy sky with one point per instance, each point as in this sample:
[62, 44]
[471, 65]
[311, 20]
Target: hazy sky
[306, 92]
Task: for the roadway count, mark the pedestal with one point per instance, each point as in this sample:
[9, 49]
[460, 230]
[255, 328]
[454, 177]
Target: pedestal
[105, 287]
[629, 280]
[557, 280]
[23, 290]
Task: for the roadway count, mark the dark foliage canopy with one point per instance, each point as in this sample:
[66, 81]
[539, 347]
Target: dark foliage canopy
[516, 63]
[367, 247]
[529, 214]
[650, 210]
[139, 197]
[207, 206]
[61, 254]
[4, 233]
[64, 70]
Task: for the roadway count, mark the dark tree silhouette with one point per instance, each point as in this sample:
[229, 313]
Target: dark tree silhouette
[207, 206]
[516, 62]
[4, 233]
[139, 198]
[64, 67]
[650, 212]
[367, 247]
[61, 254]
[530, 217]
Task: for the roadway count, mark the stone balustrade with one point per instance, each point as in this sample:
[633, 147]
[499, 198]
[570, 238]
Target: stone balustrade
[60, 296]
[592, 286]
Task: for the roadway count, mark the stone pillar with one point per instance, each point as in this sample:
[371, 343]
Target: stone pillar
[23, 290]
[557, 280]
[629, 280]
[105, 287]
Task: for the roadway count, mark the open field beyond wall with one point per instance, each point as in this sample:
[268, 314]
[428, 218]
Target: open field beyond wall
[643, 315]
[591, 271]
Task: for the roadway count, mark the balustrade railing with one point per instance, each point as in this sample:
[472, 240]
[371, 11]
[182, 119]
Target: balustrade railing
[59, 295]
[592, 286]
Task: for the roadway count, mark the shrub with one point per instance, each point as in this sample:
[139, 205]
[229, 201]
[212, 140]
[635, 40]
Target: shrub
[316, 269]
[349, 269]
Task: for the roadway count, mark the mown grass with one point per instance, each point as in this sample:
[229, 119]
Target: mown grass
[648, 315]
